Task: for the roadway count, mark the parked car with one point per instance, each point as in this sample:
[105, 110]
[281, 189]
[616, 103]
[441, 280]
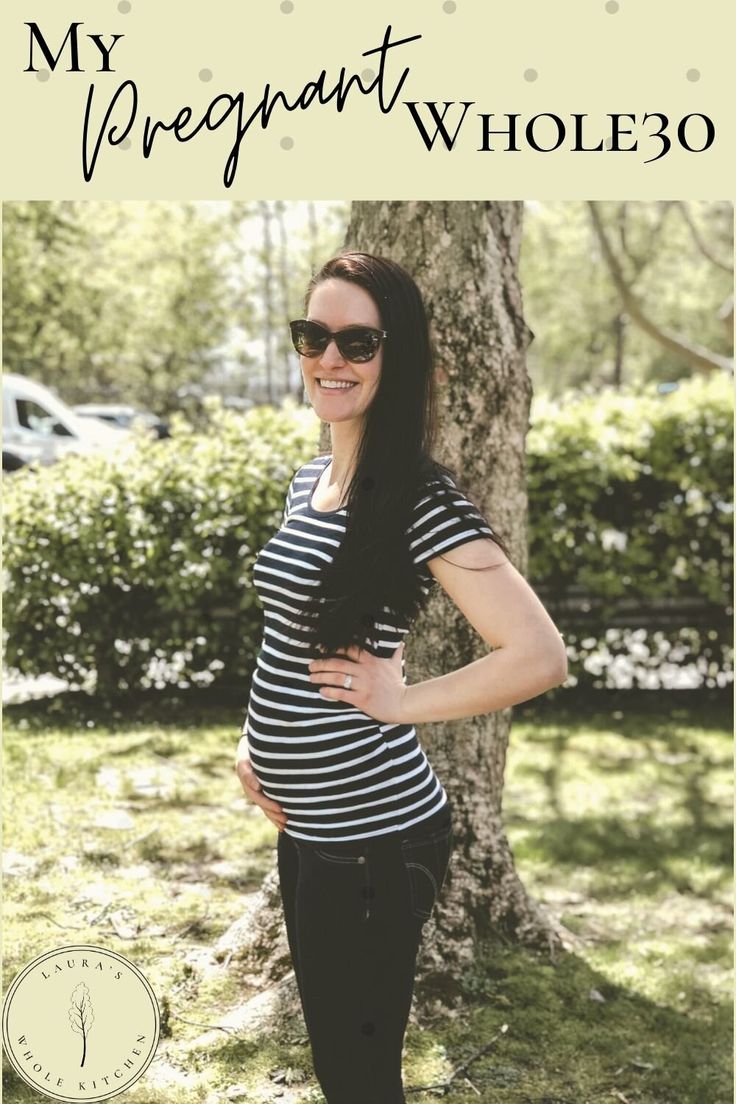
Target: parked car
[11, 462]
[125, 416]
[39, 426]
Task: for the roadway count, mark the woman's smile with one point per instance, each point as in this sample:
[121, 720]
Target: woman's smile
[336, 385]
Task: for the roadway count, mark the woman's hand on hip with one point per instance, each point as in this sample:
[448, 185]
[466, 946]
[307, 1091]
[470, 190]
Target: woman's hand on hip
[252, 787]
[377, 687]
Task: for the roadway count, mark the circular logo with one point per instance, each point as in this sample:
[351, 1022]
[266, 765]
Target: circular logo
[80, 1023]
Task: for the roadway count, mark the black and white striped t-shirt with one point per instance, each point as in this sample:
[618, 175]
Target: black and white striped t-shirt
[338, 773]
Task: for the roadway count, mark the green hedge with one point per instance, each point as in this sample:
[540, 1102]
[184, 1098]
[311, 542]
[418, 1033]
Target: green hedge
[630, 498]
[630, 493]
[127, 567]
[130, 568]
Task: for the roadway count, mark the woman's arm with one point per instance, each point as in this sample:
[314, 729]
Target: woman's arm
[528, 658]
[529, 654]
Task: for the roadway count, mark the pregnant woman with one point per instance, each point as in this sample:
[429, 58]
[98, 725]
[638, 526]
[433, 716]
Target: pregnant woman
[329, 750]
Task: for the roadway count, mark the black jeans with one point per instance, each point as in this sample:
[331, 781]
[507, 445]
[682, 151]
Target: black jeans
[354, 913]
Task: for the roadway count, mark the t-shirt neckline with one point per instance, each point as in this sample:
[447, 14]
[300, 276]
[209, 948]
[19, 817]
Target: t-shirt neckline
[320, 473]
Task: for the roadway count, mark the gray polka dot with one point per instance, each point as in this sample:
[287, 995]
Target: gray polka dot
[693, 74]
[126, 144]
[124, 7]
[530, 74]
[368, 75]
[287, 7]
[42, 75]
[287, 143]
[612, 7]
[449, 6]
[205, 74]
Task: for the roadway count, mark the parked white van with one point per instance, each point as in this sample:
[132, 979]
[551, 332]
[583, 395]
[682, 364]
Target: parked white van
[38, 425]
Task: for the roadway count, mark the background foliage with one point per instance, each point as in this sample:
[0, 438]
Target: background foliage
[156, 304]
[160, 303]
[678, 259]
[141, 569]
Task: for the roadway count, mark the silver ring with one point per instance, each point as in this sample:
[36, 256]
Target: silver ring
[348, 682]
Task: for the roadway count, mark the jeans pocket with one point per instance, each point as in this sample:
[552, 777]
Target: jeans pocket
[426, 860]
[332, 857]
[358, 861]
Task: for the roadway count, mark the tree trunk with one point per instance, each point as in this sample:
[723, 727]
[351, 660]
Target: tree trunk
[266, 217]
[283, 342]
[463, 256]
[619, 332]
[313, 238]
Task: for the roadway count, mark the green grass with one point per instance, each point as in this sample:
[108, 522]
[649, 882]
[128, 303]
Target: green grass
[620, 827]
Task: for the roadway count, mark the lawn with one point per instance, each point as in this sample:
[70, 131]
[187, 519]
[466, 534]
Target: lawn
[137, 836]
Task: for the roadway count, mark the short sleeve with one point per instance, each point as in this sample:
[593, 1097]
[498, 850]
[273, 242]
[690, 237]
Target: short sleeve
[443, 519]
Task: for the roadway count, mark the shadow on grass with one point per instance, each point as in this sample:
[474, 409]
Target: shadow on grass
[564, 1035]
[648, 1030]
[72, 710]
[649, 814]
[642, 853]
[575, 1036]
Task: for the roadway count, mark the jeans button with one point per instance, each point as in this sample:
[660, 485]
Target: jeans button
[361, 858]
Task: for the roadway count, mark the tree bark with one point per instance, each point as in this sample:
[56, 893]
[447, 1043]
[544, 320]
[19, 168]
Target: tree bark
[283, 343]
[268, 320]
[464, 257]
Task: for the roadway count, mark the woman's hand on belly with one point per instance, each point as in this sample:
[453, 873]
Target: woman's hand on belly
[377, 686]
[252, 787]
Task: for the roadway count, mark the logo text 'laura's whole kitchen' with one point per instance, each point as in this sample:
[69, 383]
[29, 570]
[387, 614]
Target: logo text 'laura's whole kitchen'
[80, 1023]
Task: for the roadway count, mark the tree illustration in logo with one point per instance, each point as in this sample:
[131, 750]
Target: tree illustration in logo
[81, 1015]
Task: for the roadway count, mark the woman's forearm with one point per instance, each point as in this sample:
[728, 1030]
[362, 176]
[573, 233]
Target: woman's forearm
[503, 678]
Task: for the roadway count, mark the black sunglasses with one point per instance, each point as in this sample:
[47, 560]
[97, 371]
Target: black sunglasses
[356, 343]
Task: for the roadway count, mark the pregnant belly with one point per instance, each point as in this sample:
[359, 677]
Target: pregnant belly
[326, 764]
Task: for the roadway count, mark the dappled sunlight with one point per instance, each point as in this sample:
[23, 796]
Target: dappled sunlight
[620, 828]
